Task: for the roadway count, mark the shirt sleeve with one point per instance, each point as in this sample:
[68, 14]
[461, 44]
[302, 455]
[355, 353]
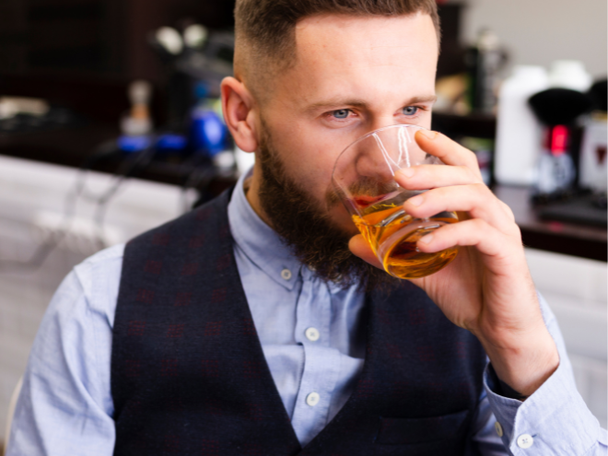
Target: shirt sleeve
[554, 419]
[65, 405]
[485, 441]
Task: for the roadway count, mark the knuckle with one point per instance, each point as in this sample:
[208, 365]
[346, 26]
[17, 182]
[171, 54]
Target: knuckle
[508, 211]
[468, 176]
[485, 189]
[472, 175]
[471, 159]
[483, 192]
[515, 232]
[480, 225]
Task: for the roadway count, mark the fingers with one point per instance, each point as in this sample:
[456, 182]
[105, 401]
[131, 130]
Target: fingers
[489, 224]
[423, 177]
[475, 199]
[475, 232]
[464, 190]
[450, 152]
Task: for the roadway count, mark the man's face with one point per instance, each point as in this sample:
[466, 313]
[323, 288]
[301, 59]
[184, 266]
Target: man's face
[352, 75]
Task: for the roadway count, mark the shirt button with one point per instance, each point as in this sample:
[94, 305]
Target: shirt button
[286, 274]
[498, 428]
[313, 399]
[525, 441]
[312, 334]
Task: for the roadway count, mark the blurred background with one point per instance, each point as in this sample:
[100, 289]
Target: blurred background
[110, 125]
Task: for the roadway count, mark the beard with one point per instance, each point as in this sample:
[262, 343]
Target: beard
[307, 230]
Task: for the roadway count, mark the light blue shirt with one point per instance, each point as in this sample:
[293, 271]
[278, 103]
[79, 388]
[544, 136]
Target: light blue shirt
[312, 338]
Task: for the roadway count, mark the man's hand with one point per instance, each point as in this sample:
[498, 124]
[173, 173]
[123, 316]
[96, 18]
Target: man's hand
[487, 289]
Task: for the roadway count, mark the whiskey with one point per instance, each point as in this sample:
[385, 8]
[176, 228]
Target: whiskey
[392, 234]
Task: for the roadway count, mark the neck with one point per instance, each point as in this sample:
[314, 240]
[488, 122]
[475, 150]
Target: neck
[251, 187]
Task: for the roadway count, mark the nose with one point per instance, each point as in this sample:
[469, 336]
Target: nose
[373, 160]
[377, 122]
[384, 151]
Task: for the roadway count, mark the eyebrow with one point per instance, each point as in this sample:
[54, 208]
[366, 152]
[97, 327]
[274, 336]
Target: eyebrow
[333, 102]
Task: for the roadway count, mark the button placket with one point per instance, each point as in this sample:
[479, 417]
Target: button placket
[315, 393]
[321, 368]
[313, 311]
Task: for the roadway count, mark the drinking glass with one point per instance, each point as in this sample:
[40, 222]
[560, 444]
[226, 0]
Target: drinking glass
[363, 178]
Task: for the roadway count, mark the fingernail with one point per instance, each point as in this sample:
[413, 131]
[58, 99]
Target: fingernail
[415, 201]
[427, 239]
[428, 134]
[407, 172]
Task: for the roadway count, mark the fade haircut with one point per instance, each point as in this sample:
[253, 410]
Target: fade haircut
[265, 29]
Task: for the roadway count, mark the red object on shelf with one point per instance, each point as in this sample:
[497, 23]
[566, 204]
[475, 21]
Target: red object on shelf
[557, 139]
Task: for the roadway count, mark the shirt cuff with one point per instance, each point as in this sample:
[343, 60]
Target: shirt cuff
[553, 420]
[500, 387]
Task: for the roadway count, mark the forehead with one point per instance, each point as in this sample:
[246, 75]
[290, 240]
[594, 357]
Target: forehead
[364, 56]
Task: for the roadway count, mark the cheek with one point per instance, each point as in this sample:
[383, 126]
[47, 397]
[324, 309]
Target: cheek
[309, 158]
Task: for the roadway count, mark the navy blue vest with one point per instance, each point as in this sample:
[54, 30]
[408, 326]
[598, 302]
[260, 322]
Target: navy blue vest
[189, 375]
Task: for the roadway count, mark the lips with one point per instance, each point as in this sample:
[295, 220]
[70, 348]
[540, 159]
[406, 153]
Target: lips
[367, 200]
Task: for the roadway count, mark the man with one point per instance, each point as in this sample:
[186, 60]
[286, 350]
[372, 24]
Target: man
[248, 326]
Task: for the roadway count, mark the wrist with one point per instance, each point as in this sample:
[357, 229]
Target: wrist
[525, 365]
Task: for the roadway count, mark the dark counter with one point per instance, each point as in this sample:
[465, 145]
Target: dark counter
[567, 238]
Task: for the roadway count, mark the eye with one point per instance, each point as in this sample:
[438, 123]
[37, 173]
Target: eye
[341, 113]
[410, 110]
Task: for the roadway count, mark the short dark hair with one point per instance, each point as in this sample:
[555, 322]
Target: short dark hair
[265, 29]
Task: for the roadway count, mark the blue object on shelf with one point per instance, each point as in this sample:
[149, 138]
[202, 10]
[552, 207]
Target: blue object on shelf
[171, 143]
[131, 144]
[207, 132]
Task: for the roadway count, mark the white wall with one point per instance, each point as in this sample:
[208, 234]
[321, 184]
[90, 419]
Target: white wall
[541, 31]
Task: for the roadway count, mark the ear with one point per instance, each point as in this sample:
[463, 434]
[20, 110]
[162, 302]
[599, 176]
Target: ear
[237, 106]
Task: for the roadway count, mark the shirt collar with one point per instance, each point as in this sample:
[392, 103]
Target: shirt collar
[260, 244]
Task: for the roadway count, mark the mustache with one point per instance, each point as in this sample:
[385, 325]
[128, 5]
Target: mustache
[364, 186]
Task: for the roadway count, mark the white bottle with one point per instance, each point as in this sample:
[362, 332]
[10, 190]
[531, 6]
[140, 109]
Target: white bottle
[570, 74]
[518, 132]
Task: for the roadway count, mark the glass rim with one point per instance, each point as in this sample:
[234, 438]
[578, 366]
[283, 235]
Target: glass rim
[377, 130]
[365, 136]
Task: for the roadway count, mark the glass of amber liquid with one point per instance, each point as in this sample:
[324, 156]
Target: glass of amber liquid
[363, 177]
